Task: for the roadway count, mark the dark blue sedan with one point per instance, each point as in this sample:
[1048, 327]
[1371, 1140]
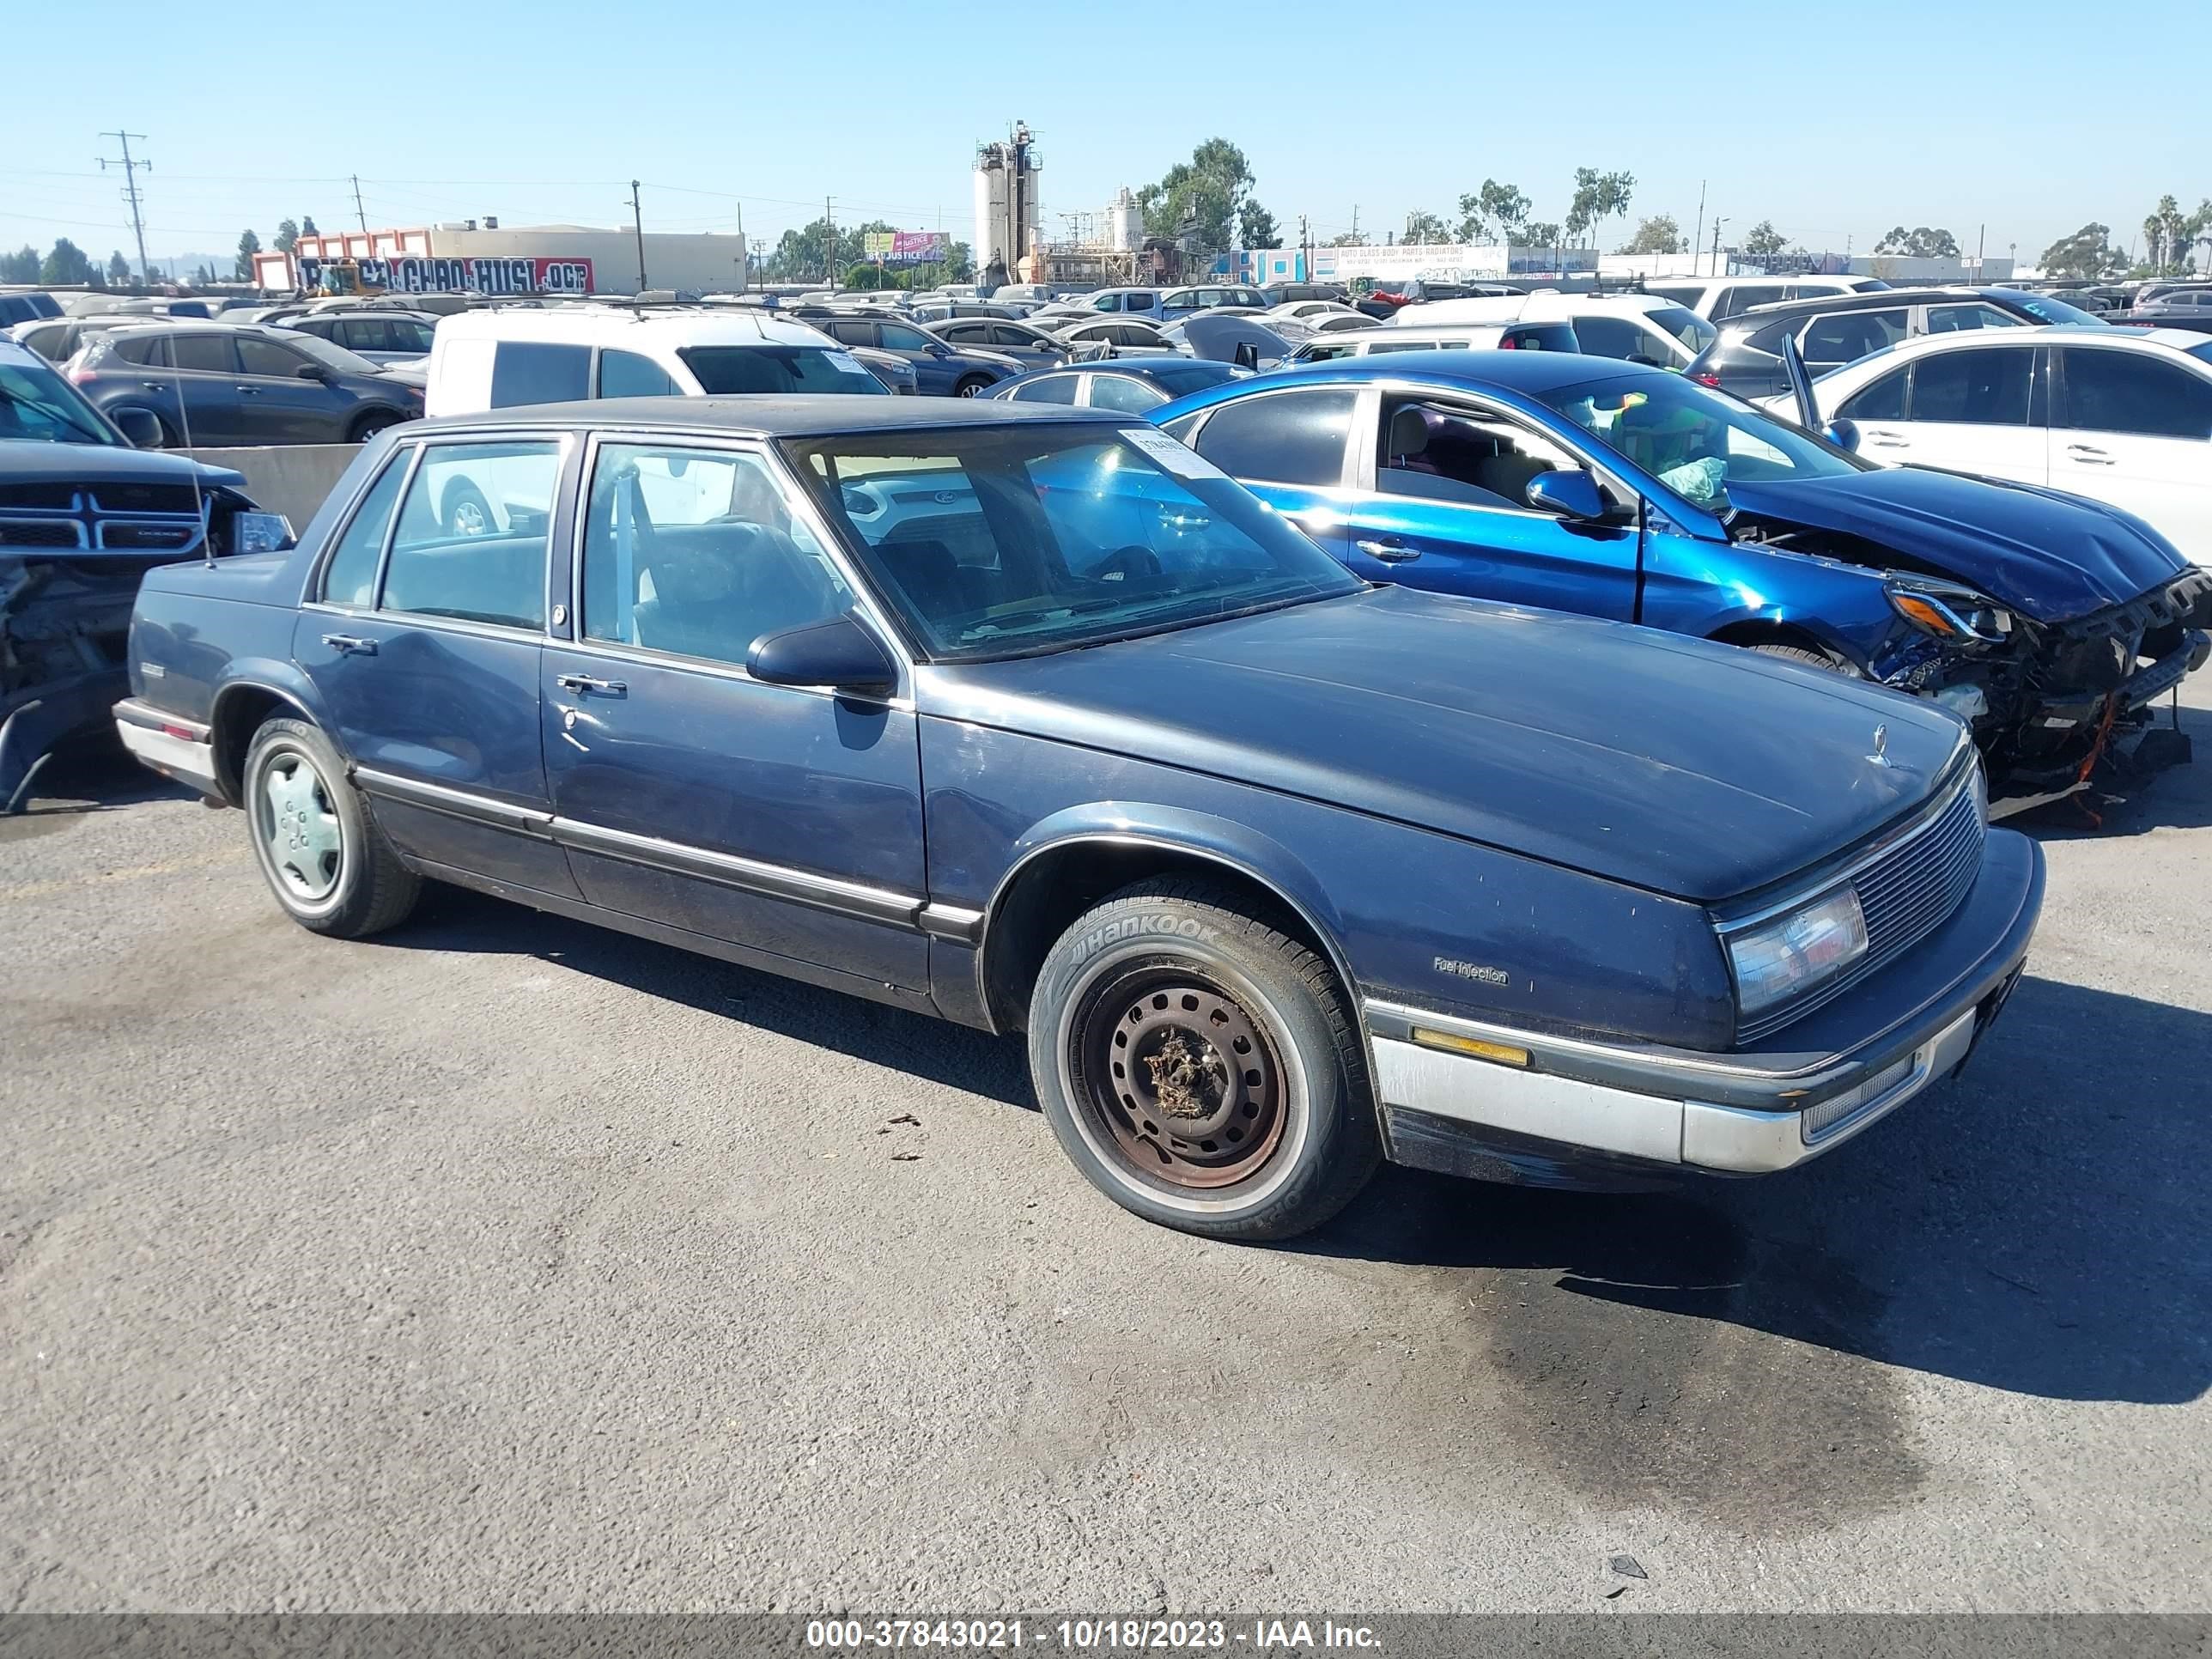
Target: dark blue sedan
[2049, 621]
[1030, 719]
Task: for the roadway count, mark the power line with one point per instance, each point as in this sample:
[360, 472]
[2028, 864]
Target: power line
[130, 190]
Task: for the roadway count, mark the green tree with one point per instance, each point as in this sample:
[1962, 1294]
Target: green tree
[288, 236]
[1762, 240]
[2168, 235]
[1598, 197]
[1203, 198]
[1658, 234]
[1919, 243]
[20, 266]
[2088, 252]
[1496, 209]
[1348, 238]
[248, 245]
[119, 269]
[959, 262]
[1426, 227]
[1257, 228]
[67, 266]
[1547, 233]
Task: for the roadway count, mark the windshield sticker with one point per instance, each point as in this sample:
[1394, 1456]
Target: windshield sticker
[848, 362]
[1183, 462]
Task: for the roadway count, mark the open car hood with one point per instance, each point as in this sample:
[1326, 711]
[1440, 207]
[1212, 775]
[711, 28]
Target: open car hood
[2049, 555]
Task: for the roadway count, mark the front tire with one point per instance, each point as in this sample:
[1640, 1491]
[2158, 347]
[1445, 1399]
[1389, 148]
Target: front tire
[1201, 1067]
[1808, 657]
[973, 386]
[369, 425]
[324, 858]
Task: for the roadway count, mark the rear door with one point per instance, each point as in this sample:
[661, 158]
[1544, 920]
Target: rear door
[424, 643]
[784, 819]
[2136, 430]
[1979, 408]
[205, 371]
[1443, 505]
[1291, 449]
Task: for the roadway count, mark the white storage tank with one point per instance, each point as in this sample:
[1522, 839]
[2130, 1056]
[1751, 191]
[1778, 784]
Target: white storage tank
[1125, 223]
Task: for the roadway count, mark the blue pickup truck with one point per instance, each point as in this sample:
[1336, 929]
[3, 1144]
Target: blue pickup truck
[1027, 718]
[2053, 624]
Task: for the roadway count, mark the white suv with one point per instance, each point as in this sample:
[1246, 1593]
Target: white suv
[1636, 327]
[509, 355]
[1714, 298]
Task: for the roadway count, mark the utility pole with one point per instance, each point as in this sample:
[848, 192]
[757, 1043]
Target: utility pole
[359, 211]
[637, 223]
[1697, 235]
[130, 192]
[1355, 224]
[1717, 222]
[1981, 237]
[830, 245]
[745, 270]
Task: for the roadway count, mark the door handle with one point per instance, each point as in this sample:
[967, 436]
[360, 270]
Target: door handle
[1888, 440]
[157, 386]
[1389, 550]
[585, 682]
[2088, 454]
[350, 645]
[248, 390]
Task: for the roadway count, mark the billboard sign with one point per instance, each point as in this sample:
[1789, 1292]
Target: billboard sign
[489, 275]
[904, 247]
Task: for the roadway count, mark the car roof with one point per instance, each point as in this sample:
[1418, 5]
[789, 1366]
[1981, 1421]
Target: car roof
[2069, 334]
[1529, 373]
[769, 417]
[611, 325]
[1872, 300]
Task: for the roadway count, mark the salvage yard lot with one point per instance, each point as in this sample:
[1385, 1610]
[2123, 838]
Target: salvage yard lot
[504, 1262]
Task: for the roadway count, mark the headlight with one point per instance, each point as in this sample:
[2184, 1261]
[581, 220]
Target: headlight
[1958, 615]
[1792, 953]
[261, 532]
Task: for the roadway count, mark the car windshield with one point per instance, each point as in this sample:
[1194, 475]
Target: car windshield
[2049, 308]
[1009, 540]
[36, 402]
[330, 357]
[726, 371]
[1693, 330]
[1695, 441]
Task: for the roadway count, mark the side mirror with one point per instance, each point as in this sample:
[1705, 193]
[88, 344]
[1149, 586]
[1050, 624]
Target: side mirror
[839, 653]
[141, 428]
[1571, 494]
[940, 351]
[1248, 355]
[313, 372]
[1845, 434]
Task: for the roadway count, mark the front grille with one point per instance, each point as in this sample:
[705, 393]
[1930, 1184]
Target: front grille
[39, 532]
[146, 498]
[56, 497]
[1905, 890]
[118, 519]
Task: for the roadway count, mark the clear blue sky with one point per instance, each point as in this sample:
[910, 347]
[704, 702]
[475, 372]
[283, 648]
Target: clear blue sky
[1835, 121]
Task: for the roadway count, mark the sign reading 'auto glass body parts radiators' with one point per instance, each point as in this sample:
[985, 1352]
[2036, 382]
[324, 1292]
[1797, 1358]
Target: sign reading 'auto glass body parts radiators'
[425, 275]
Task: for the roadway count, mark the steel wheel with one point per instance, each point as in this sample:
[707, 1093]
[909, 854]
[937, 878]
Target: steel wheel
[1188, 1087]
[302, 837]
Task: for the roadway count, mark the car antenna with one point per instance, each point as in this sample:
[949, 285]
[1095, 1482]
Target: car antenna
[184, 416]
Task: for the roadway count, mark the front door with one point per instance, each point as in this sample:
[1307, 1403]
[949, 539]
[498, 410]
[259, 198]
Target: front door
[424, 645]
[281, 400]
[2137, 431]
[787, 820]
[1445, 507]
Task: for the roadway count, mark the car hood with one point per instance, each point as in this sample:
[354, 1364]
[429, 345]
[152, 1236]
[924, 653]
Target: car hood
[24, 461]
[1696, 770]
[2047, 555]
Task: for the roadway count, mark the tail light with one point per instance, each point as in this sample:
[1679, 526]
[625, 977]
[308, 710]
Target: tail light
[1706, 377]
[78, 374]
[1509, 343]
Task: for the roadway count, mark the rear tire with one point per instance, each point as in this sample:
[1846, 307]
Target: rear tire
[320, 851]
[1200, 1065]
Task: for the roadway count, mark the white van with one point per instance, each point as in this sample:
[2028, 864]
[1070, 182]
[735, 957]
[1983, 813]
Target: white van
[1558, 336]
[503, 357]
[1636, 327]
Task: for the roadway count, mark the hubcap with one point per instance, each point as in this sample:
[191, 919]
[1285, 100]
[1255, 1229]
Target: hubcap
[1186, 1083]
[299, 827]
[469, 518]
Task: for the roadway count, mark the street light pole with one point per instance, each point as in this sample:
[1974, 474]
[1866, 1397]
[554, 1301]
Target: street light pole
[637, 223]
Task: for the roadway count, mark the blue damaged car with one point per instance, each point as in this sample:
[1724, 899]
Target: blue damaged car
[1029, 718]
[2051, 623]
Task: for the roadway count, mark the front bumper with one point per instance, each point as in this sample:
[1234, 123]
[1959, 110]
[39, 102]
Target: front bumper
[173, 746]
[1798, 1094]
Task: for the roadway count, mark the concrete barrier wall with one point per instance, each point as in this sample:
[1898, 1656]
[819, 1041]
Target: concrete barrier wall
[290, 478]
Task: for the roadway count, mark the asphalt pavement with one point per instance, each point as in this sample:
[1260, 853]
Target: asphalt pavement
[508, 1263]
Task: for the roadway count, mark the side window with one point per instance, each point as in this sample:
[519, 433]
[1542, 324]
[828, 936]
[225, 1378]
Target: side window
[268, 358]
[966, 333]
[1949, 319]
[1735, 300]
[472, 533]
[1884, 400]
[1182, 428]
[850, 331]
[1469, 455]
[412, 334]
[1612, 336]
[627, 374]
[351, 576]
[897, 337]
[2129, 393]
[204, 354]
[1052, 389]
[1843, 337]
[1124, 393]
[1006, 334]
[1286, 437]
[1134, 334]
[363, 334]
[1977, 388]
[146, 351]
[528, 372]
[695, 552]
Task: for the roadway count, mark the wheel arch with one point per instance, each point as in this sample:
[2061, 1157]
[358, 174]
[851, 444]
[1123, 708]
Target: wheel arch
[242, 703]
[1770, 629]
[1057, 876]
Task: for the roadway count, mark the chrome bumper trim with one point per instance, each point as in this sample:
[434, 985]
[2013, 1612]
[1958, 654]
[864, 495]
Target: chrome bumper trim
[151, 736]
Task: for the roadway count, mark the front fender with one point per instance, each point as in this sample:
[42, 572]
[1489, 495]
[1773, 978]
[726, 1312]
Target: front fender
[1702, 588]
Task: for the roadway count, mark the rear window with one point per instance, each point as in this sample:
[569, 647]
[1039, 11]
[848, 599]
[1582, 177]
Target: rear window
[732, 371]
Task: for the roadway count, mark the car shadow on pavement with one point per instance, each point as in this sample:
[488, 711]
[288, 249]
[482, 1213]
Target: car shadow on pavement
[2037, 1226]
[453, 919]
